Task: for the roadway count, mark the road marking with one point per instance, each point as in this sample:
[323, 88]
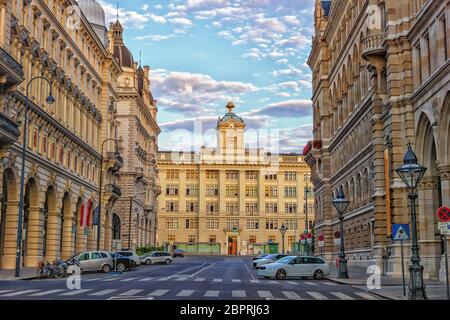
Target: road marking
[185, 293]
[365, 295]
[103, 292]
[342, 296]
[111, 279]
[183, 271]
[46, 293]
[310, 283]
[329, 283]
[128, 279]
[146, 279]
[317, 295]
[238, 294]
[4, 291]
[251, 273]
[292, 282]
[212, 293]
[181, 279]
[273, 282]
[218, 280]
[236, 280]
[131, 292]
[93, 279]
[265, 294]
[18, 293]
[199, 279]
[255, 281]
[291, 295]
[158, 293]
[201, 270]
[163, 279]
[75, 292]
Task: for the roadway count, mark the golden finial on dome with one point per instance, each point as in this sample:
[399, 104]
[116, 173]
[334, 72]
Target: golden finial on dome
[230, 107]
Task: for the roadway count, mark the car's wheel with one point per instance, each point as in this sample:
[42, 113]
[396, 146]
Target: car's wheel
[106, 268]
[168, 261]
[132, 266]
[281, 274]
[318, 274]
[148, 262]
[120, 267]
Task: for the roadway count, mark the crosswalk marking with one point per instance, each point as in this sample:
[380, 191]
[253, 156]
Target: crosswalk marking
[317, 295]
[18, 293]
[217, 280]
[159, 292]
[103, 292]
[131, 292]
[128, 279]
[4, 291]
[93, 279]
[199, 279]
[342, 296]
[255, 281]
[110, 279]
[46, 293]
[185, 293]
[265, 294]
[291, 295]
[163, 279]
[365, 295]
[328, 283]
[273, 282]
[212, 293]
[181, 279]
[75, 292]
[236, 280]
[238, 294]
[310, 283]
[146, 279]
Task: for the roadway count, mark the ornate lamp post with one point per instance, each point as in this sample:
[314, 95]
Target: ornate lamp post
[50, 100]
[341, 205]
[411, 173]
[283, 230]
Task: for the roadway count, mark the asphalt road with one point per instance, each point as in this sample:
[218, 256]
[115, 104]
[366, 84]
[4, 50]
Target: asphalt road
[190, 278]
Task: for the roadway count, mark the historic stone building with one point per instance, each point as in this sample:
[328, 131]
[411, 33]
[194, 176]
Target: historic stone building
[380, 81]
[138, 131]
[53, 39]
[231, 199]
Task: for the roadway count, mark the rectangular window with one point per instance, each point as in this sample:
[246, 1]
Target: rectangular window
[232, 223]
[252, 224]
[251, 175]
[232, 191]
[251, 239]
[232, 208]
[290, 192]
[172, 174]
[251, 191]
[290, 208]
[212, 239]
[212, 224]
[212, 174]
[191, 224]
[271, 176]
[191, 238]
[212, 191]
[251, 208]
[271, 224]
[271, 207]
[171, 206]
[271, 191]
[192, 190]
[171, 224]
[232, 175]
[212, 207]
[191, 207]
[290, 176]
[191, 174]
[172, 190]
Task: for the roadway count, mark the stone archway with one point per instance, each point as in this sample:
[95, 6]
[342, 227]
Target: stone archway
[80, 236]
[32, 225]
[51, 226]
[429, 198]
[68, 228]
[8, 220]
[107, 239]
[116, 231]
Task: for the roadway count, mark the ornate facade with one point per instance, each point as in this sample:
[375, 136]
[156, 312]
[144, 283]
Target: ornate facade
[231, 199]
[138, 131]
[380, 80]
[53, 39]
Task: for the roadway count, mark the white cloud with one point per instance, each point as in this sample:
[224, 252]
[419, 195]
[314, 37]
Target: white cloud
[181, 21]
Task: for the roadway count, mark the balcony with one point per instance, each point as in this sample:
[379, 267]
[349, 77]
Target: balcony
[114, 161]
[373, 45]
[9, 131]
[11, 71]
[114, 190]
[139, 172]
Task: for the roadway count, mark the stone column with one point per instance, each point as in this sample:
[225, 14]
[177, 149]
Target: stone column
[53, 236]
[67, 249]
[34, 237]
[8, 259]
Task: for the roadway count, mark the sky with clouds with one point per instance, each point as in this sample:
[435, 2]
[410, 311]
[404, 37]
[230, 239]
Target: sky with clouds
[204, 53]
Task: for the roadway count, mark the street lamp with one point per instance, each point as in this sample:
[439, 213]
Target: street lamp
[283, 230]
[50, 100]
[411, 173]
[307, 192]
[341, 204]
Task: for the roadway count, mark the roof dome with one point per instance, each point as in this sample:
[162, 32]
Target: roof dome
[121, 52]
[93, 11]
[230, 115]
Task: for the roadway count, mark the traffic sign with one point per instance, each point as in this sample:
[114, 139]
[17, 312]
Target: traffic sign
[337, 241]
[444, 227]
[321, 243]
[400, 232]
[321, 238]
[443, 214]
[309, 236]
[337, 234]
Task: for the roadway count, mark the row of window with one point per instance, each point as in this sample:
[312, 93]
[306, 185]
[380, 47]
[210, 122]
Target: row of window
[251, 239]
[233, 175]
[232, 207]
[213, 224]
[232, 191]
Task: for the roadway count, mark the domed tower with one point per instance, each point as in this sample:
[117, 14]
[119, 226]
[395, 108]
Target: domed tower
[120, 51]
[95, 14]
[230, 131]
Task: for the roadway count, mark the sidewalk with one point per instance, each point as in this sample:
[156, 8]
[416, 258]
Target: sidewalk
[25, 274]
[391, 288]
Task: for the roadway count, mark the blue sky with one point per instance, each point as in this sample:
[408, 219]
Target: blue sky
[204, 53]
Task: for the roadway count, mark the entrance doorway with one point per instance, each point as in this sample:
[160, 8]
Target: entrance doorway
[232, 246]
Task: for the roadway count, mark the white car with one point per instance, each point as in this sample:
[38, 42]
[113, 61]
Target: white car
[156, 257]
[267, 259]
[132, 255]
[295, 266]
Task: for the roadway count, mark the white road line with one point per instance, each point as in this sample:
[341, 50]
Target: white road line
[185, 293]
[292, 282]
[103, 292]
[158, 293]
[163, 279]
[4, 291]
[265, 294]
[342, 296]
[199, 279]
[131, 292]
[310, 283]
[365, 295]
[251, 273]
[46, 293]
[128, 279]
[236, 280]
[329, 283]
[317, 295]
[212, 293]
[255, 281]
[181, 275]
[75, 292]
[291, 295]
[146, 279]
[18, 293]
[111, 279]
[273, 282]
[181, 279]
[238, 294]
[218, 280]
[201, 270]
[93, 279]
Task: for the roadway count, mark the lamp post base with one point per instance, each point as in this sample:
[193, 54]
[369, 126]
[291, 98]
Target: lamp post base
[343, 272]
[416, 285]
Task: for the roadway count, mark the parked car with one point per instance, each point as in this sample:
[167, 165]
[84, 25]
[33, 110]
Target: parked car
[156, 257]
[261, 256]
[267, 259]
[178, 253]
[295, 266]
[132, 255]
[122, 263]
[95, 261]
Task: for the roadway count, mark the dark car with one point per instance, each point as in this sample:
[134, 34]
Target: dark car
[122, 263]
[178, 253]
[261, 256]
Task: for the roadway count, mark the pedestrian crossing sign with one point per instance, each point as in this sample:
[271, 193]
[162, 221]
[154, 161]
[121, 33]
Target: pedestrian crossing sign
[400, 232]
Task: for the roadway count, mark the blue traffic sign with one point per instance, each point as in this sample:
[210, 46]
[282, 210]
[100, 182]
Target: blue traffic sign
[400, 232]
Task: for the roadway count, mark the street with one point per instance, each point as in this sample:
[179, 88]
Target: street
[189, 278]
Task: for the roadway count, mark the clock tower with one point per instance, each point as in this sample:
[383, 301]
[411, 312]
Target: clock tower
[230, 132]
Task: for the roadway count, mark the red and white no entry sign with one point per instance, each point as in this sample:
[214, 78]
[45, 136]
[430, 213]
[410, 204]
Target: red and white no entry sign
[444, 214]
[321, 237]
[337, 234]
